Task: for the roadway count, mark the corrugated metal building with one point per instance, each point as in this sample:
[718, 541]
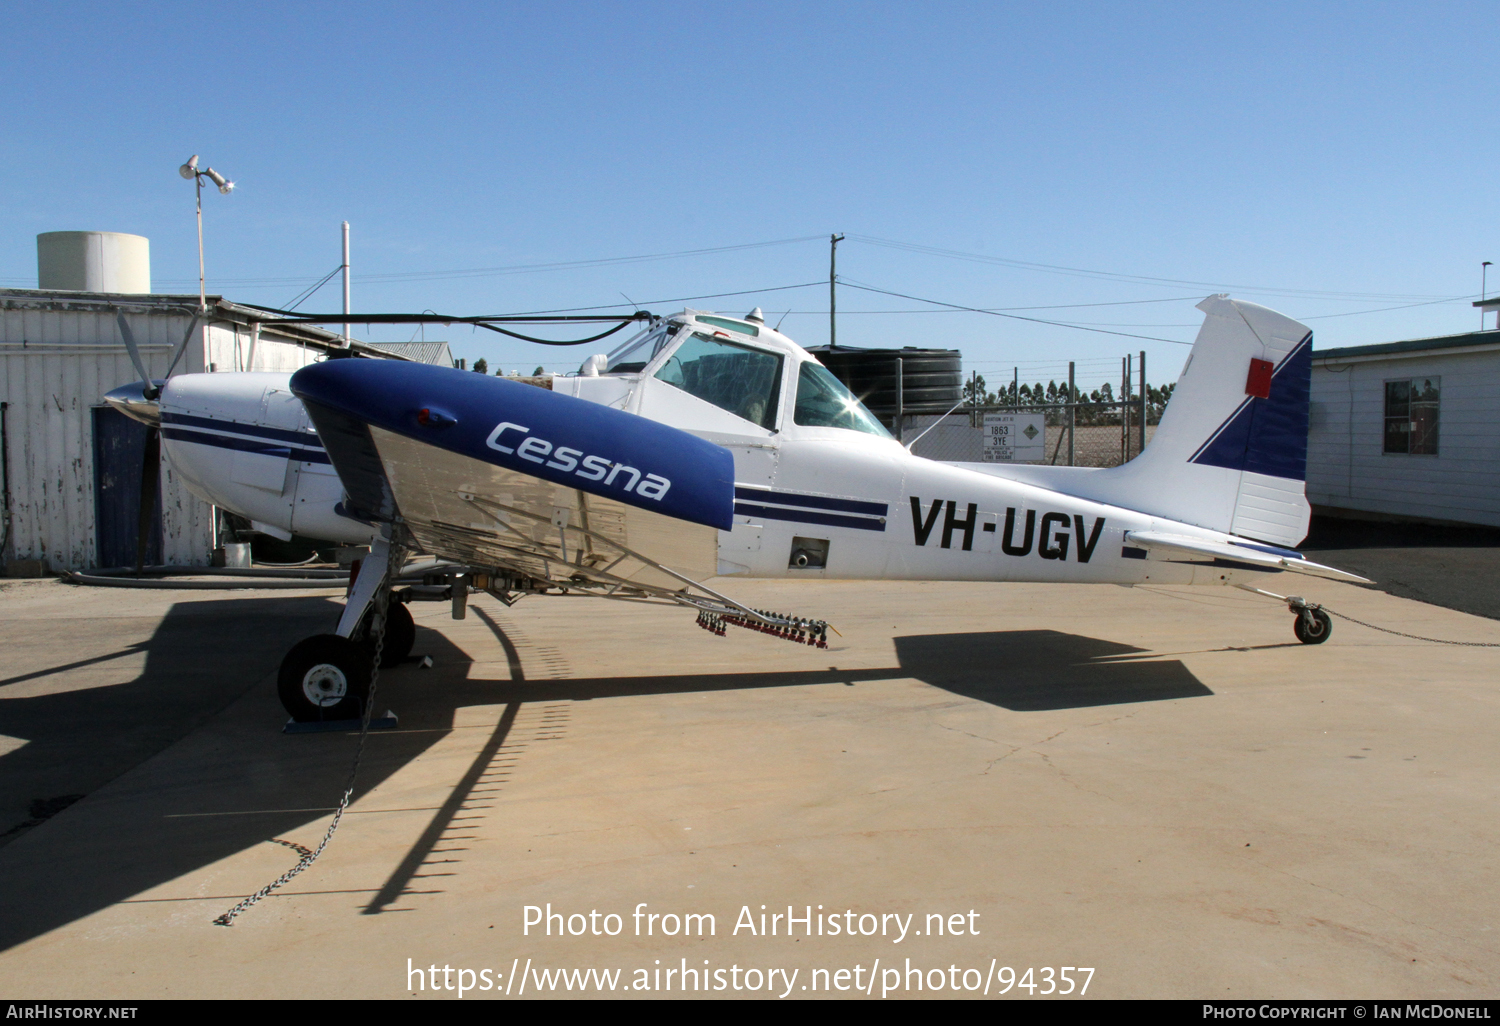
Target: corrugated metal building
[60, 351]
[1408, 429]
[419, 352]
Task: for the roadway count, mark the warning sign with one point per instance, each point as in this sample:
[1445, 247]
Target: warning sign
[1014, 437]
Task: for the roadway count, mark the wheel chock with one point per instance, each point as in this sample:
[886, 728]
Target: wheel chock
[387, 722]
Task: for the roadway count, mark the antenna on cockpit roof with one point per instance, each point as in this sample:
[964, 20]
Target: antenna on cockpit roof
[755, 316]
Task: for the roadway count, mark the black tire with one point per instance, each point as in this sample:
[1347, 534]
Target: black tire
[400, 634]
[325, 677]
[1315, 633]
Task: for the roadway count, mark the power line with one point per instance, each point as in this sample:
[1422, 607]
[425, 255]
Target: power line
[1384, 309]
[476, 272]
[311, 290]
[1117, 276]
[1011, 316]
[684, 299]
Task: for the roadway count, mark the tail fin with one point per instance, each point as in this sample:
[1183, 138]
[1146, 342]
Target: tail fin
[1230, 453]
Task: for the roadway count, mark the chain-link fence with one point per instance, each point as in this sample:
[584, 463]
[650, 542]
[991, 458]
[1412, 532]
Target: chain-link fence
[1084, 434]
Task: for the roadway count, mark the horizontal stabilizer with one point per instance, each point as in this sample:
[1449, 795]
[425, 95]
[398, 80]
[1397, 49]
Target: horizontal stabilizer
[1267, 556]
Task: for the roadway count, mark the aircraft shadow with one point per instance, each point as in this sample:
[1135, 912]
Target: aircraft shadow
[214, 792]
[1032, 671]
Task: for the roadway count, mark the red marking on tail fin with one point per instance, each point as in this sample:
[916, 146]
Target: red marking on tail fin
[1258, 383]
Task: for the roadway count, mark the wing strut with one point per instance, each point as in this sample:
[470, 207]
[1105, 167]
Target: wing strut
[715, 609]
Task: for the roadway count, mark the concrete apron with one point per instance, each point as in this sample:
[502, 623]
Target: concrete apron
[1160, 784]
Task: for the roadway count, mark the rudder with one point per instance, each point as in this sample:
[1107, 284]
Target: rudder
[1230, 453]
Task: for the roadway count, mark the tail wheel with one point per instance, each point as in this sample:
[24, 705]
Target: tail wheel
[1315, 632]
[325, 677]
[400, 634]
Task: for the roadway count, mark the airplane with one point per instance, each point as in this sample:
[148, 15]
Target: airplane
[709, 447]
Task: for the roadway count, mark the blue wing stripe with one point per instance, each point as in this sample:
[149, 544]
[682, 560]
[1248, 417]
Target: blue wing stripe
[535, 431]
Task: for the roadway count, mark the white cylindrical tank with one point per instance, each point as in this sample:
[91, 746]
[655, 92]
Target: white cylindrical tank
[94, 262]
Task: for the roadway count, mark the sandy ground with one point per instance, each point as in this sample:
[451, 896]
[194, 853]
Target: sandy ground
[1159, 785]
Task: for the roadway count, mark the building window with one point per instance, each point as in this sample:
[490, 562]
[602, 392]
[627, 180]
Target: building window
[1411, 416]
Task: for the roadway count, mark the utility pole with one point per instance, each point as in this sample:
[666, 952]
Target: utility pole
[833, 263]
[346, 283]
[1072, 413]
[1144, 403]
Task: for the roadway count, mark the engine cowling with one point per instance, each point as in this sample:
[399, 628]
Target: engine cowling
[243, 441]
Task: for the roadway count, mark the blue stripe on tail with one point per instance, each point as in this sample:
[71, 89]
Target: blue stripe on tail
[1268, 436]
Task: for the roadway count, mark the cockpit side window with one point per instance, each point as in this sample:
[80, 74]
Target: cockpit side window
[738, 378]
[823, 401]
[632, 357]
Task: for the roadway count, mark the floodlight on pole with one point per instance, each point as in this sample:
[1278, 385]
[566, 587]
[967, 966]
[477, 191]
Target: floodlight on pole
[190, 170]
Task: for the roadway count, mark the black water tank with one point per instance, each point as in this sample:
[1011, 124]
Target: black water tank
[931, 379]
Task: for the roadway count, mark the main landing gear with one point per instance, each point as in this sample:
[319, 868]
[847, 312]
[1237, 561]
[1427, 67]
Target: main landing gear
[327, 676]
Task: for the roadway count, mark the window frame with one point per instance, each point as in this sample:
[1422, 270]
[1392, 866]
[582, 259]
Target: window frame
[664, 335]
[1432, 431]
[796, 398]
[720, 337]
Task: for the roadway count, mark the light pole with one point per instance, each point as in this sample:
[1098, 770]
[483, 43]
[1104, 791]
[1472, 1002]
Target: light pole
[190, 170]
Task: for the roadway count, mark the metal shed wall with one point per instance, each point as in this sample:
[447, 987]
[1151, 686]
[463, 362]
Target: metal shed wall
[55, 366]
[1347, 469]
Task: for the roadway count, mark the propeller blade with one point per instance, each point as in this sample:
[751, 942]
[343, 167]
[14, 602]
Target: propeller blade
[183, 348]
[135, 354]
[146, 515]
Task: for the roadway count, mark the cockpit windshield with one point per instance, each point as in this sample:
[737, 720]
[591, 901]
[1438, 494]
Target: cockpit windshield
[744, 380]
[823, 401]
[632, 357]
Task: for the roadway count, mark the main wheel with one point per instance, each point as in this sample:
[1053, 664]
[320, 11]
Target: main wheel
[400, 634]
[1314, 633]
[325, 677]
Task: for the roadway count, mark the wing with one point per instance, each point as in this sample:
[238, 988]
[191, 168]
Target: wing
[499, 474]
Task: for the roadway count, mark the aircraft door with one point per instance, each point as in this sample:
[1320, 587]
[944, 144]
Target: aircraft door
[755, 464]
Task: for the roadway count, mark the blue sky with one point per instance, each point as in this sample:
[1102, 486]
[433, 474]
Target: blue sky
[1322, 159]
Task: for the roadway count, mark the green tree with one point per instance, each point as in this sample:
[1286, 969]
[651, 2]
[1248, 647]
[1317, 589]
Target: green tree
[481, 367]
[974, 393]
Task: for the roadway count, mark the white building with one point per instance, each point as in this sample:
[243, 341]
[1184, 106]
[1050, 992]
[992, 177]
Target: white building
[71, 466]
[1408, 429]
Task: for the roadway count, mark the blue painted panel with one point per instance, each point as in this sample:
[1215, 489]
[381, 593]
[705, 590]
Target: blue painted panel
[119, 448]
[1268, 436]
[535, 431]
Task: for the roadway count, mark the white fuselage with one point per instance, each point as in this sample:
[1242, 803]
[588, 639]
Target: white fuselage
[812, 501]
